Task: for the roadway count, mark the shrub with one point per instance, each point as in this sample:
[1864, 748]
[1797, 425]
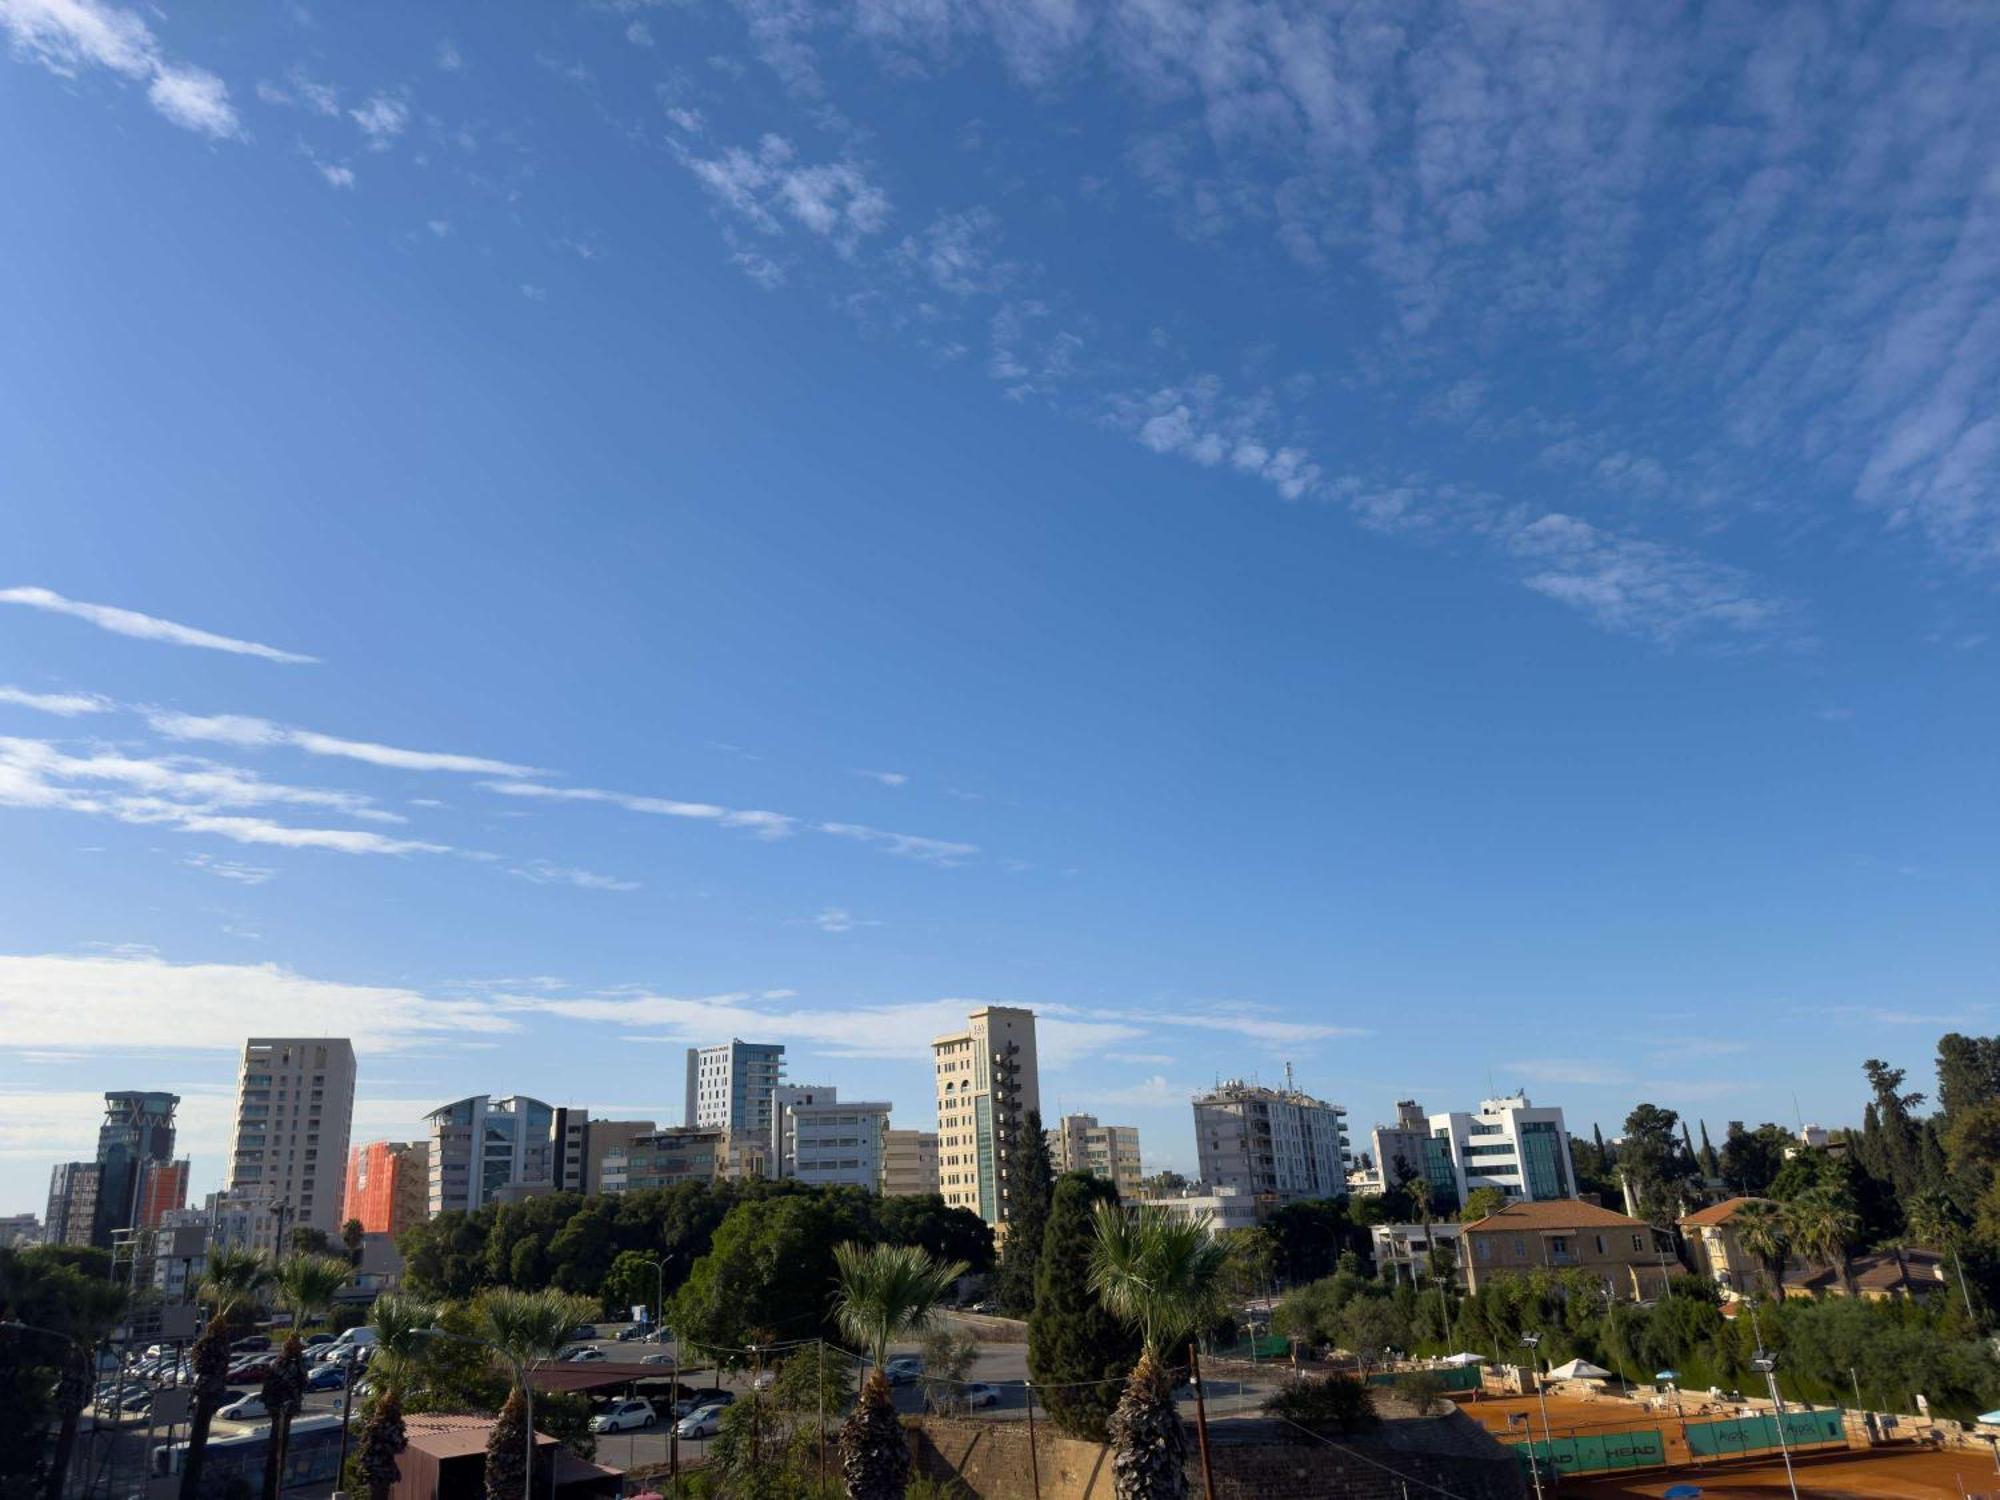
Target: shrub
[1332, 1402]
[1423, 1389]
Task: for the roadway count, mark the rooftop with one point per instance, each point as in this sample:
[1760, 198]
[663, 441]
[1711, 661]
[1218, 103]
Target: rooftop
[1556, 1213]
[1717, 1213]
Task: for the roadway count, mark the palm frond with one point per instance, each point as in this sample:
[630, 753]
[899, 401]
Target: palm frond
[530, 1326]
[1158, 1271]
[885, 1292]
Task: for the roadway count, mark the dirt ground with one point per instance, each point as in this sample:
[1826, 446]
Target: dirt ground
[1857, 1474]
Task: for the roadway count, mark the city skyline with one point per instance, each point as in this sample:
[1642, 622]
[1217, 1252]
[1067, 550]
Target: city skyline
[1455, 551]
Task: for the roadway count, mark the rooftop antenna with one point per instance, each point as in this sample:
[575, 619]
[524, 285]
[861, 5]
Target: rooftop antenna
[1288, 1077]
[1797, 1115]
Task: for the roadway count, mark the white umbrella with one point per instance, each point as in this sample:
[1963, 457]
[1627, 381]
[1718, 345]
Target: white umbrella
[1579, 1369]
[1463, 1359]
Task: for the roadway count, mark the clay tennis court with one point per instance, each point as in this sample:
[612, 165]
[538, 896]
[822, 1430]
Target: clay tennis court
[1855, 1474]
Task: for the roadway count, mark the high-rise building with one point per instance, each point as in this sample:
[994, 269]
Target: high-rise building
[570, 1162]
[1080, 1144]
[72, 1212]
[388, 1186]
[1396, 1152]
[19, 1229]
[729, 1087]
[294, 1108]
[1509, 1144]
[1278, 1146]
[817, 1138]
[987, 1086]
[483, 1149]
[909, 1163]
[163, 1187]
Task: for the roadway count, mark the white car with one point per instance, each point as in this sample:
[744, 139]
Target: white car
[979, 1394]
[589, 1354]
[621, 1416]
[705, 1421]
[249, 1409]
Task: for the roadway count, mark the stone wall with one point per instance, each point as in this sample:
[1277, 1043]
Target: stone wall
[1252, 1460]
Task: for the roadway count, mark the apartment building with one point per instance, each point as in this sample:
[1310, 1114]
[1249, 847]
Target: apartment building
[1509, 1144]
[1222, 1209]
[818, 1138]
[1080, 1144]
[163, 1187]
[388, 1186]
[987, 1086]
[484, 1149]
[1626, 1255]
[1395, 1152]
[1277, 1146]
[91, 1201]
[909, 1163]
[601, 1140]
[71, 1217]
[294, 1111]
[19, 1229]
[729, 1087]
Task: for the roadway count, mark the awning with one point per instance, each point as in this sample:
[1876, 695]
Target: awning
[1462, 1359]
[1579, 1369]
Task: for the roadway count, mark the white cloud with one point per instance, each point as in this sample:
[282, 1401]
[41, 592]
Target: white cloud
[439, 227]
[449, 59]
[300, 89]
[67, 36]
[381, 118]
[837, 201]
[542, 872]
[639, 34]
[945, 852]
[143, 627]
[840, 919]
[187, 794]
[336, 175]
[97, 1002]
[230, 869]
[68, 705]
[245, 730]
[887, 778]
[534, 293]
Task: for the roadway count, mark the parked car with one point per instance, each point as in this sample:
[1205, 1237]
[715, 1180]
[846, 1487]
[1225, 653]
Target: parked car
[622, 1415]
[326, 1378]
[903, 1371]
[658, 1359]
[702, 1422]
[765, 1380]
[314, 1340]
[694, 1401]
[588, 1354]
[979, 1394]
[253, 1343]
[250, 1369]
[583, 1331]
[249, 1409]
[635, 1333]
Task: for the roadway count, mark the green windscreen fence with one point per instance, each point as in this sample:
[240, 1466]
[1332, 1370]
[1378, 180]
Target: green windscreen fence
[1595, 1454]
[1803, 1429]
[1464, 1378]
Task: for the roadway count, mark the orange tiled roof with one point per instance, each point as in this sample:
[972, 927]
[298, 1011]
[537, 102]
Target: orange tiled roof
[1717, 1213]
[1555, 1213]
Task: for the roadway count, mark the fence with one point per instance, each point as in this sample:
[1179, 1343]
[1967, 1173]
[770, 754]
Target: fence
[1739, 1435]
[1451, 1378]
[1595, 1455]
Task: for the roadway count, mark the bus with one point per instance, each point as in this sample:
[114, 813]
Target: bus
[312, 1456]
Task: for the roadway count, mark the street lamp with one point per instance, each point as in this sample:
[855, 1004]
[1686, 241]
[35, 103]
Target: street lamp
[1531, 1342]
[659, 1288]
[1767, 1365]
[520, 1379]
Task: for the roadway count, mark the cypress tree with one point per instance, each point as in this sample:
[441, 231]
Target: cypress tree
[1072, 1340]
[1711, 1164]
[1030, 1181]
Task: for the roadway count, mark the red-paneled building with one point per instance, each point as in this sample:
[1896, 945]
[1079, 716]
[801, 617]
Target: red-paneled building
[388, 1186]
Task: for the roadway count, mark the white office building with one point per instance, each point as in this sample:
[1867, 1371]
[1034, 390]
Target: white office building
[1509, 1144]
[484, 1149]
[816, 1138]
[1276, 1146]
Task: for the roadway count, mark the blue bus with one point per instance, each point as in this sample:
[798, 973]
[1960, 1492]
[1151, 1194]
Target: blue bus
[311, 1457]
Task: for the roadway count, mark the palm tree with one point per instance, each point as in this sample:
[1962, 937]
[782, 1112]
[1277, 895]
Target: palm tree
[1419, 1189]
[401, 1324]
[232, 1282]
[883, 1293]
[1162, 1274]
[1761, 1230]
[1825, 1226]
[529, 1328]
[306, 1284]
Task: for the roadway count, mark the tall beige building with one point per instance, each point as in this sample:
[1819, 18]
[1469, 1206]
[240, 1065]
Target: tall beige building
[909, 1163]
[1080, 1144]
[294, 1110]
[987, 1086]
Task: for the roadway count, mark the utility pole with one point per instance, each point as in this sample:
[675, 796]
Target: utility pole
[1201, 1423]
[1034, 1454]
[1768, 1365]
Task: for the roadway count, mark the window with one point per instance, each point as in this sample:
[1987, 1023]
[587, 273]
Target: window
[1638, 1242]
[1600, 1244]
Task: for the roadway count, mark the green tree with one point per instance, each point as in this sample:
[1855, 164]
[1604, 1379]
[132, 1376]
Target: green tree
[305, 1284]
[882, 1293]
[1711, 1162]
[1480, 1203]
[768, 1268]
[530, 1328]
[1078, 1353]
[1751, 1159]
[233, 1282]
[1825, 1227]
[1162, 1275]
[948, 1233]
[1030, 1181]
[1310, 1237]
[1761, 1229]
[1653, 1160]
[42, 1374]
[948, 1360]
[352, 1234]
[1968, 1072]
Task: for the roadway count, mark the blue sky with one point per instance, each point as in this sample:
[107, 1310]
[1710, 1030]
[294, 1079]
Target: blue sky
[1453, 546]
